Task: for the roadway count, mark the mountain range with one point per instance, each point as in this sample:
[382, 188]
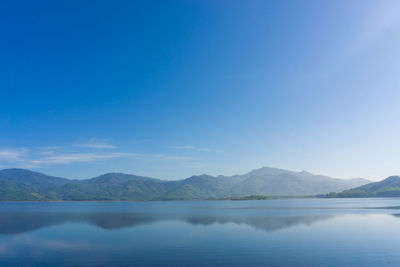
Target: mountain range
[26, 185]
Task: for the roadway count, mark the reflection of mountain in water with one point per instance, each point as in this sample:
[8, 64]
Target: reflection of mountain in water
[14, 222]
[19, 222]
[266, 223]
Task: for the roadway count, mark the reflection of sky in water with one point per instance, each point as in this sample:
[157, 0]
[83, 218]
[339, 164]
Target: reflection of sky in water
[287, 232]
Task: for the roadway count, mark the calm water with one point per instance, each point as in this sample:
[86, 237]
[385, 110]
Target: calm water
[301, 232]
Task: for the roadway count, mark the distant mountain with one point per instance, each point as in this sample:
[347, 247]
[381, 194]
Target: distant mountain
[390, 187]
[20, 184]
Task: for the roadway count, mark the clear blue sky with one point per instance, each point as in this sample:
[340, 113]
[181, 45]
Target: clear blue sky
[174, 88]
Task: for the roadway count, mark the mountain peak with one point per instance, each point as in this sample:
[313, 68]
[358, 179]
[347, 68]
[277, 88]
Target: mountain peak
[267, 170]
[303, 172]
[201, 176]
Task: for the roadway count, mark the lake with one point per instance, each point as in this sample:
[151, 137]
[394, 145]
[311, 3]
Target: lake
[286, 232]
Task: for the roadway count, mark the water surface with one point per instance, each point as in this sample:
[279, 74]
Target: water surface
[291, 232]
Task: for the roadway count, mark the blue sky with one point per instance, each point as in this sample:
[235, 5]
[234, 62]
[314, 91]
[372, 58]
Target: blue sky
[174, 88]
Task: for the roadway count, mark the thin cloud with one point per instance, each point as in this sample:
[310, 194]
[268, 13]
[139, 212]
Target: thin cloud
[96, 143]
[35, 158]
[12, 154]
[48, 150]
[383, 17]
[39, 157]
[203, 149]
[169, 157]
[78, 157]
[380, 19]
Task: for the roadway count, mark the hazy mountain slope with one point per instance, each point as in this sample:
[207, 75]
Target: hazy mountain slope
[355, 182]
[390, 187]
